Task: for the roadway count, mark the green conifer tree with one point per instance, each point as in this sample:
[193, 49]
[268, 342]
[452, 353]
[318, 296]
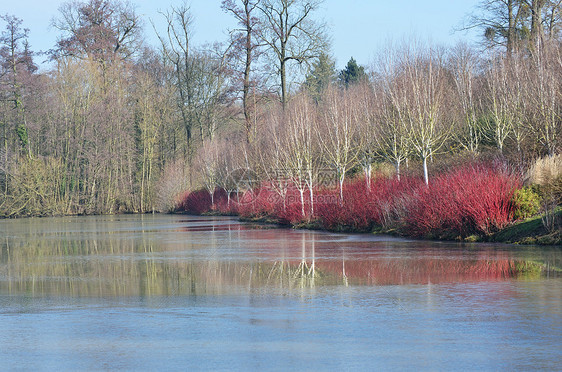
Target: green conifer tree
[322, 75]
[352, 74]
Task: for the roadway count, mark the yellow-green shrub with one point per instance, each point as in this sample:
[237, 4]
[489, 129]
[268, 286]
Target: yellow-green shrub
[527, 203]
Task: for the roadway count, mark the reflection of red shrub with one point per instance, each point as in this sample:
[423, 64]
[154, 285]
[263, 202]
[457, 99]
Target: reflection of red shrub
[423, 269]
[472, 199]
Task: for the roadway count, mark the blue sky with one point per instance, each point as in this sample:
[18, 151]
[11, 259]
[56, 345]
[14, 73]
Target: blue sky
[359, 28]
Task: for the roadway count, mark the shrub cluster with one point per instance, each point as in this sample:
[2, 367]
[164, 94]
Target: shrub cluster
[473, 199]
[362, 207]
[200, 202]
[527, 202]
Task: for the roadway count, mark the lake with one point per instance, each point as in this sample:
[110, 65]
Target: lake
[175, 292]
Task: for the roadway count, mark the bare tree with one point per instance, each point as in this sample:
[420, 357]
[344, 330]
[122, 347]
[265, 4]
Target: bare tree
[98, 29]
[199, 78]
[367, 110]
[176, 48]
[504, 101]
[552, 19]
[501, 22]
[512, 24]
[340, 131]
[245, 47]
[269, 153]
[208, 164]
[517, 99]
[393, 141]
[297, 141]
[16, 68]
[463, 64]
[291, 35]
[544, 98]
[211, 92]
[423, 98]
[152, 113]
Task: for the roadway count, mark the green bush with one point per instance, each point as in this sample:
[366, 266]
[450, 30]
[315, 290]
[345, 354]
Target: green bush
[527, 203]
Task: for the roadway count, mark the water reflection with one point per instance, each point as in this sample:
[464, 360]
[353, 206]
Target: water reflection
[174, 255]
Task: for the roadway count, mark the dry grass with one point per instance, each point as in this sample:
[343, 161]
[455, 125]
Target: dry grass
[545, 170]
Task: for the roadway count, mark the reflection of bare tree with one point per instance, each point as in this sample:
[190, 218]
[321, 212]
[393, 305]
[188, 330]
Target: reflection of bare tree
[119, 266]
[215, 258]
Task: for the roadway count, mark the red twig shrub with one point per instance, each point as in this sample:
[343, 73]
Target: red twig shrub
[362, 208]
[269, 201]
[471, 199]
[196, 202]
[224, 204]
[199, 202]
[259, 203]
[389, 199]
[290, 212]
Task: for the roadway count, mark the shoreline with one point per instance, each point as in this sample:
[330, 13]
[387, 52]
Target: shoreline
[525, 232]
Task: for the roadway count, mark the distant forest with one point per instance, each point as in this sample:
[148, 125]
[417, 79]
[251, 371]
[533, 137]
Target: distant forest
[115, 125]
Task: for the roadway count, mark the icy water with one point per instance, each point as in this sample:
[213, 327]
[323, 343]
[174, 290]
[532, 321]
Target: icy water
[195, 293]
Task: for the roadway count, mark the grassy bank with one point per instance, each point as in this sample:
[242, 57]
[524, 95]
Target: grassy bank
[530, 231]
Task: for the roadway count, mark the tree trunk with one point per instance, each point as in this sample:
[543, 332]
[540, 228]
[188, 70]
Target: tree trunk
[311, 191]
[247, 70]
[301, 191]
[536, 24]
[283, 85]
[368, 172]
[510, 27]
[342, 177]
[425, 172]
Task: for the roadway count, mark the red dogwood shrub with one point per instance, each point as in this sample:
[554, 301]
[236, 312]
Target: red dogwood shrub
[196, 202]
[200, 201]
[362, 208]
[258, 203]
[471, 199]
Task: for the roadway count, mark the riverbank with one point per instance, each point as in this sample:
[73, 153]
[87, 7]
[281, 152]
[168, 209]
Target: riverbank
[473, 203]
[528, 232]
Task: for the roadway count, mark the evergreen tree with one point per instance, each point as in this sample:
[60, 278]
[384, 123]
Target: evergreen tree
[322, 75]
[352, 74]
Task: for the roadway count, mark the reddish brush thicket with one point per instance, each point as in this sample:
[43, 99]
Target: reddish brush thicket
[257, 203]
[472, 199]
[195, 202]
[271, 201]
[199, 202]
[362, 208]
[353, 212]
[224, 204]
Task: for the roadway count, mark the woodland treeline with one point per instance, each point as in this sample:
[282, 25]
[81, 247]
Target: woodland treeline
[117, 125]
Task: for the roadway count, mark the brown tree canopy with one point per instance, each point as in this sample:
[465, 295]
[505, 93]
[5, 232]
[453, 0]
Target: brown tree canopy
[98, 29]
